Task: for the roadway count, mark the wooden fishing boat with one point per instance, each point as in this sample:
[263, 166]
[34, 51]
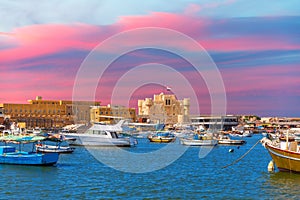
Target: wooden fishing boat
[199, 140]
[203, 142]
[45, 148]
[10, 155]
[231, 142]
[162, 137]
[286, 155]
[225, 140]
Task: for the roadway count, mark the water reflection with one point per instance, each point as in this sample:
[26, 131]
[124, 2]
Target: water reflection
[282, 185]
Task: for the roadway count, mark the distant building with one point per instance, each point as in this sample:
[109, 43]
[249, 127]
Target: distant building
[111, 114]
[48, 113]
[281, 122]
[164, 108]
[216, 122]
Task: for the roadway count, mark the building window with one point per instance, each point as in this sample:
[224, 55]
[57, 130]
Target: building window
[168, 102]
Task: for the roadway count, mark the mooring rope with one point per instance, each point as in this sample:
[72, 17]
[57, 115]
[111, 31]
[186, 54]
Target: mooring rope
[240, 158]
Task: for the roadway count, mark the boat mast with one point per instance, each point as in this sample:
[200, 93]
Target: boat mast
[287, 140]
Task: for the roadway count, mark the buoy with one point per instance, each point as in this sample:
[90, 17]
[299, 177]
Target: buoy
[231, 150]
[240, 158]
[271, 166]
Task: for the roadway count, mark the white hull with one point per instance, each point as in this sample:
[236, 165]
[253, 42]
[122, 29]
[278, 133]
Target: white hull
[247, 133]
[189, 142]
[53, 149]
[98, 140]
[231, 142]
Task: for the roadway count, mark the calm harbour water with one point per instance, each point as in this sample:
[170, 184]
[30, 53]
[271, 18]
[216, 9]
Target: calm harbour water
[81, 176]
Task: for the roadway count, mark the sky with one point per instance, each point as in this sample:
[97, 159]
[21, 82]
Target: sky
[255, 46]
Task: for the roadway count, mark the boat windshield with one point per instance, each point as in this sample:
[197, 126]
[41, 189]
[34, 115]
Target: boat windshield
[163, 134]
[96, 132]
[114, 135]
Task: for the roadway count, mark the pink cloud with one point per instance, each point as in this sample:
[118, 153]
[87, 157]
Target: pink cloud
[183, 23]
[276, 80]
[21, 86]
[38, 40]
[264, 90]
[31, 42]
[256, 43]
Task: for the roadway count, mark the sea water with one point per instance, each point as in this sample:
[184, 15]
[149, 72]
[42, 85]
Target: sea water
[81, 176]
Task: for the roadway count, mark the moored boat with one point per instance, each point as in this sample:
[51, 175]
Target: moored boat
[286, 155]
[45, 148]
[241, 131]
[162, 137]
[225, 140]
[191, 142]
[199, 140]
[10, 155]
[101, 135]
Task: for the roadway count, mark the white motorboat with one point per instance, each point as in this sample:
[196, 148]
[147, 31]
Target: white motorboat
[101, 135]
[45, 148]
[199, 140]
[225, 140]
[192, 142]
[241, 131]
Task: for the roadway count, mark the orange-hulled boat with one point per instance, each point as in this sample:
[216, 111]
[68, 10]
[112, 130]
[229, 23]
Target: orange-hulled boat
[285, 154]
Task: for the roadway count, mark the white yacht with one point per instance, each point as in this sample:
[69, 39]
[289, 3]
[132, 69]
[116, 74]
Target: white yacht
[101, 135]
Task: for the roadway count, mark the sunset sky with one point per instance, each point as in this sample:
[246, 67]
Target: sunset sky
[254, 44]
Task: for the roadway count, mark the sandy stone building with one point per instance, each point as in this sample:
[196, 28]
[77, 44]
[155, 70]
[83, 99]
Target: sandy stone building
[48, 113]
[111, 114]
[165, 108]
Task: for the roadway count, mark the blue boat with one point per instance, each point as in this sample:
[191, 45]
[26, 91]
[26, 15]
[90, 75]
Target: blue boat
[10, 155]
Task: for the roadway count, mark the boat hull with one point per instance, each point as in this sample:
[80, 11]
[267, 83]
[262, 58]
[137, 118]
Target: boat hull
[23, 158]
[96, 140]
[161, 139]
[199, 142]
[54, 149]
[285, 160]
[231, 142]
